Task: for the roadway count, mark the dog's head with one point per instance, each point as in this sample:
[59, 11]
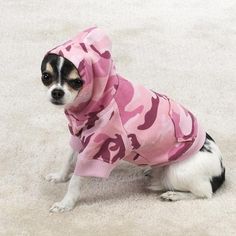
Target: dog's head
[80, 73]
[61, 79]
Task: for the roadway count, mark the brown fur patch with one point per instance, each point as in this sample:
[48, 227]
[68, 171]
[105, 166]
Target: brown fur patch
[70, 89]
[73, 74]
[49, 68]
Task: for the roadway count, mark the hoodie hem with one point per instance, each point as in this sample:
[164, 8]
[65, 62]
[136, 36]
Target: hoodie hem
[93, 168]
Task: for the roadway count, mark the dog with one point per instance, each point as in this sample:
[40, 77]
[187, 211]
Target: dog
[111, 119]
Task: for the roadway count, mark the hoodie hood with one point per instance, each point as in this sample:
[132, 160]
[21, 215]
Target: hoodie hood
[90, 52]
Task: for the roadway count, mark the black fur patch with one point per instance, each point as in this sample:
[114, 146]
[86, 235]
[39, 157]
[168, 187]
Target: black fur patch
[217, 181]
[207, 145]
[209, 137]
[53, 59]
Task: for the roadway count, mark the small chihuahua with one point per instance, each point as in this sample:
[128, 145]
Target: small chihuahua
[112, 119]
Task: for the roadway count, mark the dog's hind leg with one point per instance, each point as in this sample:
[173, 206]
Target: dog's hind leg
[202, 189]
[65, 174]
[196, 177]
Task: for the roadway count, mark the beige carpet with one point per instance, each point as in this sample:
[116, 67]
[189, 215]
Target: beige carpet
[185, 49]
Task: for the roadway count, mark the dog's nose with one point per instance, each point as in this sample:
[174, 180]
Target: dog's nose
[57, 94]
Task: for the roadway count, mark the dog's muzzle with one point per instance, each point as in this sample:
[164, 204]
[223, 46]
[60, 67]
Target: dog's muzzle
[57, 94]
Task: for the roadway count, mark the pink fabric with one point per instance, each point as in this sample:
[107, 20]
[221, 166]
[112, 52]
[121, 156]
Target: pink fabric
[113, 119]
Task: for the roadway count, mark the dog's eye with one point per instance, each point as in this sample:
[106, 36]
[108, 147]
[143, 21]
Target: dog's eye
[46, 78]
[75, 83]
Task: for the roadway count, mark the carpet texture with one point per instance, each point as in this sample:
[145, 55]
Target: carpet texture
[185, 49]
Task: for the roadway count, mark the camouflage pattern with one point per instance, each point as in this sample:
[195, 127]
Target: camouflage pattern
[113, 119]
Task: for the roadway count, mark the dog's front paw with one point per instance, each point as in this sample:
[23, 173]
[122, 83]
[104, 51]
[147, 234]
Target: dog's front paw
[62, 206]
[56, 178]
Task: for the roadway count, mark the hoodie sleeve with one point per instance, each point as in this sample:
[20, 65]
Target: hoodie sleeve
[99, 154]
[101, 149]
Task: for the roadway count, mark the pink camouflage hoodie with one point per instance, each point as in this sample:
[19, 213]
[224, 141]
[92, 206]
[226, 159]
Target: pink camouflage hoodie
[112, 119]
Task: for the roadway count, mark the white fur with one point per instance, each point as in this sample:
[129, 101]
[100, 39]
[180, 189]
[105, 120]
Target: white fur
[59, 66]
[190, 175]
[72, 195]
[67, 98]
